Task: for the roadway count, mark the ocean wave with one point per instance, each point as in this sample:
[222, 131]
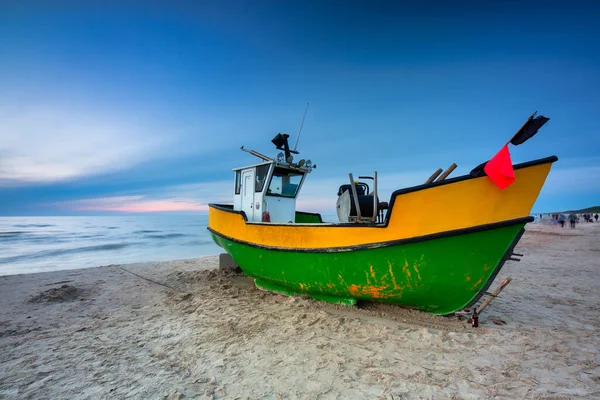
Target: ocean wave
[33, 225]
[145, 231]
[60, 252]
[27, 236]
[197, 243]
[12, 234]
[166, 236]
[80, 236]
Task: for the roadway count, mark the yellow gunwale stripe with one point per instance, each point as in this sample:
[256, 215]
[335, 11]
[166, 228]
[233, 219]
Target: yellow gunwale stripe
[428, 209]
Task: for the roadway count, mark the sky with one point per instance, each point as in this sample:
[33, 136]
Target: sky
[128, 107]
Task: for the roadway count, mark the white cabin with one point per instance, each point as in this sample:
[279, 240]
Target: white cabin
[267, 192]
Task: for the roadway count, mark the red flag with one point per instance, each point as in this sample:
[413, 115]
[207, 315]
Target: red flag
[500, 169]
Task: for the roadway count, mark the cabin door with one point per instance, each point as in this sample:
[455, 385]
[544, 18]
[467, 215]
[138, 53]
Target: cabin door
[248, 193]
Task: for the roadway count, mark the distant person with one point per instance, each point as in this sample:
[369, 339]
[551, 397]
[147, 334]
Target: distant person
[572, 220]
[561, 220]
[596, 217]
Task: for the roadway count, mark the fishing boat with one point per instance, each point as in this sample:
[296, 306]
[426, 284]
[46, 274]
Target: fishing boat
[435, 247]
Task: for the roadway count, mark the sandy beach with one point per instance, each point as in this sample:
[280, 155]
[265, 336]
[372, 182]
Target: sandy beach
[185, 329]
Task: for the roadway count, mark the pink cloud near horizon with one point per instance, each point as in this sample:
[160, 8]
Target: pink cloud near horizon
[139, 204]
[133, 204]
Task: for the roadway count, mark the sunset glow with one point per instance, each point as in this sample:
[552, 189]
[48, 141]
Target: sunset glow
[134, 204]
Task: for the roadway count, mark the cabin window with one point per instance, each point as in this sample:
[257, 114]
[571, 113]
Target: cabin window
[261, 177]
[284, 183]
[238, 182]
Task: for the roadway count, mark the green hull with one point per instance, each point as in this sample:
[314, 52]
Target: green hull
[440, 275]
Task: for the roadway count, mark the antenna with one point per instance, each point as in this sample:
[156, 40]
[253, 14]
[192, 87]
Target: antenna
[301, 125]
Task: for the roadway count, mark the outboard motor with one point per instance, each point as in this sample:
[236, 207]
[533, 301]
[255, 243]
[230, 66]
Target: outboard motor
[356, 204]
[361, 188]
[346, 204]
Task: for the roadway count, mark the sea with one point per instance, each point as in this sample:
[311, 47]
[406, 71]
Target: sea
[40, 244]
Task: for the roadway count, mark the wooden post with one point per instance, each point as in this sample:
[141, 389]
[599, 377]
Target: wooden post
[447, 172]
[435, 175]
[493, 295]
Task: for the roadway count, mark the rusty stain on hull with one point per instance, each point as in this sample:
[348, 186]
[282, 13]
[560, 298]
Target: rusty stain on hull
[375, 292]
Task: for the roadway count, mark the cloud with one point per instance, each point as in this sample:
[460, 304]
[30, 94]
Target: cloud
[203, 192]
[132, 204]
[41, 144]
[189, 197]
[574, 180]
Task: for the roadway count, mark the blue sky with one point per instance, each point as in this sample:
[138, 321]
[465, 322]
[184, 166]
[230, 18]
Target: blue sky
[144, 106]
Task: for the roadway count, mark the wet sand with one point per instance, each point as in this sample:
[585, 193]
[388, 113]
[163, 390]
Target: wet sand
[184, 329]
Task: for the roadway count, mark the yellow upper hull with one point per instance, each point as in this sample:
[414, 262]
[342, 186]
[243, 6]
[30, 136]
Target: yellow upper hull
[446, 206]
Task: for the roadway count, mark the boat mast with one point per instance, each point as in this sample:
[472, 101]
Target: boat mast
[301, 125]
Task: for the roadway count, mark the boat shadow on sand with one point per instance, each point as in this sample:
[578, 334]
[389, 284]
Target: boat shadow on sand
[220, 290]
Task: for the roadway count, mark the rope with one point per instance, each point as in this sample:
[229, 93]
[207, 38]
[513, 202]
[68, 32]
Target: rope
[150, 280]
